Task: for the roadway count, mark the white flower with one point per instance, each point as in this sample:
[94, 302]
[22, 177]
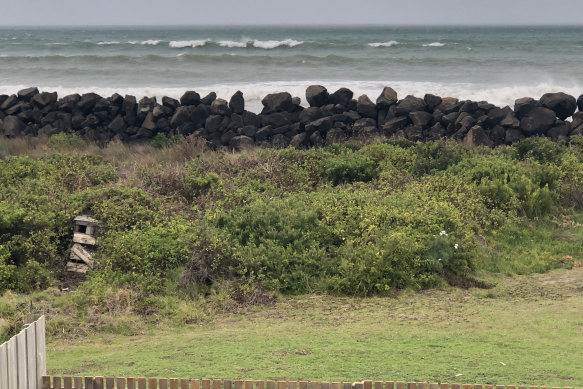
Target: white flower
[439, 259]
[443, 233]
[455, 246]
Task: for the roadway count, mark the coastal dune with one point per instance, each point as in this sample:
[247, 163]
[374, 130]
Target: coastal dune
[328, 118]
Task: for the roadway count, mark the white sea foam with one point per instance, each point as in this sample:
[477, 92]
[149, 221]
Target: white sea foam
[151, 42]
[193, 43]
[274, 44]
[241, 43]
[434, 44]
[108, 43]
[384, 44]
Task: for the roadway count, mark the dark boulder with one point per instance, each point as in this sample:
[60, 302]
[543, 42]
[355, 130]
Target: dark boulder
[13, 126]
[387, 98]
[208, 99]
[393, 125]
[220, 107]
[477, 137]
[449, 105]
[523, 105]
[335, 135]
[214, 123]
[299, 140]
[190, 98]
[496, 115]
[562, 104]
[249, 130]
[342, 96]
[146, 104]
[510, 121]
[87, 102]
[559, 131]
[170, 103]
[237, 102]
[281, 141]
[322, 125]
[241, 142]
[413, 133]
[410, 104]
[317, 140]
[44, 99]
[537, 121]
[366, 108]
[277, 102]
[310, 114]
[181, 116]
[9, 102]
[360, 124]
[469, 106]
[580, 103]
[149, 122]
[27, 93]
[69, 102]
[420, 118]
[317, 95]
[279, 119]
[435, 133]
[485, 106]
[264, 133]
[432, 101]
[117, 125]
[498, 135]
[513, 136]
[250, 118]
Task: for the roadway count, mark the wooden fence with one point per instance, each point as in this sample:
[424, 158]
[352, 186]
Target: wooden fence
[175, 383]
[23, 358]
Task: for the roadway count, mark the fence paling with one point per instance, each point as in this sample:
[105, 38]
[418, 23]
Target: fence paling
[175, 383]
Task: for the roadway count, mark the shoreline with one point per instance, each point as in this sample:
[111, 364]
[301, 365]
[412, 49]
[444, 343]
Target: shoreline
[326, 118]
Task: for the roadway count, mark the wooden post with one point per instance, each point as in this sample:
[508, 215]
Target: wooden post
[68, 382]
[292, 385]
[227, 384]
[389, 385]
[281, 385]
[141, 383]
[238, 384]
[152, 383]
[444, 385]
[163, 383]
[195, 384]
[184, 384]
[98, 382]
[110, 383]
[216, 384]
[466, 386]
[121, 383]
[303, 384]
[455, 386]
[206, 384]
[174, 383]
[56, 382]
[259, 384]
[89, 382]
[434, 385]
[400, 385]
[338, 385]
[347, 385]
[248, 385]
[411, 385]
[360, 385]
[270, 385]
[46, 382]
[326, 385]
[368, 385]
[477, 386]
[131, 382]
[422, 385]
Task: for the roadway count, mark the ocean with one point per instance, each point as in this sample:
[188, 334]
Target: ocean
[496, 64]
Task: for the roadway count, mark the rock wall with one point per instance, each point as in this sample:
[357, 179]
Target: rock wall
[330, 118]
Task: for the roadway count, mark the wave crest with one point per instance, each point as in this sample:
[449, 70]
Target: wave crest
[434, 44]
[384, 44]
[193, 43]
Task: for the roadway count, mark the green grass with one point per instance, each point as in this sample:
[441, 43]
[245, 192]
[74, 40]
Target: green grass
[526, 330]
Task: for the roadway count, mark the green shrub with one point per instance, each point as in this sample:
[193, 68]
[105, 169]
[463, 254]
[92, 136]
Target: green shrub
[66, 141]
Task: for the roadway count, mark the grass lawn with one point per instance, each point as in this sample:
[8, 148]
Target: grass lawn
[526, 330]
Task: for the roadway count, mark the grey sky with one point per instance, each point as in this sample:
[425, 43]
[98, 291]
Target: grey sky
[193, 12]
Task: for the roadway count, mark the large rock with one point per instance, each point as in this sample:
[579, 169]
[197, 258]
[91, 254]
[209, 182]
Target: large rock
[237, 102]
[395, 124]
[477, 137]
[181, 116]
[420, 118]
[27, 93]
[580, 103]
[335, 135]
[170, 102]
[432, 101]
[69, 102]
[44, 99]
[13, 126]
[387, 98]
[523, 105]
[562, 104]
[317, 95]
[365, 107]
[410, 104]
[190, 98]
[9, 102]
[449, 105]
[342, 96]
[208, 99]
[241, 142]
[310, 114]
[537, 121]
[220, 107]
[87, 102]
[322, 125]
[510, 121]
[298, 140]
[277, 102]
